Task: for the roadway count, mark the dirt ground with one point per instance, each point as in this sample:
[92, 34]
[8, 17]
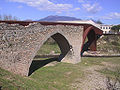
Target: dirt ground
[93, 80]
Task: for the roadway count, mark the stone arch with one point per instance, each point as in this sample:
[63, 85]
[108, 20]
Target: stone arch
[62, 42]
[19, 45]
[89, 33]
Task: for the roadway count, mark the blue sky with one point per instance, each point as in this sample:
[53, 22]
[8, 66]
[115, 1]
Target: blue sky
[108, 11]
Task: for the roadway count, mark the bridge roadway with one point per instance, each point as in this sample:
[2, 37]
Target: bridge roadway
[20, 41]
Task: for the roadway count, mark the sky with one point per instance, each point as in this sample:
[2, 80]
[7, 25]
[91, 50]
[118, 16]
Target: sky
[107, 11]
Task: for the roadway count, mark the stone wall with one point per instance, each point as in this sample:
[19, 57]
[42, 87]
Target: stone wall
[19, 44]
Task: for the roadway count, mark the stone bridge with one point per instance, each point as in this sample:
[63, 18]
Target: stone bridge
[20, 41]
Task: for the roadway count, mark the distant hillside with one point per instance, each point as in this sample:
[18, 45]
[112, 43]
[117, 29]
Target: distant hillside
[59, 18]
[109, 44]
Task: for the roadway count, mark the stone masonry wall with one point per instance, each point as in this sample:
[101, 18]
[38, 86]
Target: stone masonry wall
[19, 44]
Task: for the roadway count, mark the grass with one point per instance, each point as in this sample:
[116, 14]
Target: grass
[58, 77]
[114, 71]
[106, 45]
[48, 48]
[110, 73]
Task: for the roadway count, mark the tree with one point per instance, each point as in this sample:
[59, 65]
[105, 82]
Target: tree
[116, 28]
[99, 22]
[8, 17]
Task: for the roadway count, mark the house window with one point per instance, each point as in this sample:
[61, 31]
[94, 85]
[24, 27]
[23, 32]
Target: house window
[106, 28]
[103, 27]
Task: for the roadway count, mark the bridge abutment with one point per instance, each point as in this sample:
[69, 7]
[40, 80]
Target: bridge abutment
[73, 55]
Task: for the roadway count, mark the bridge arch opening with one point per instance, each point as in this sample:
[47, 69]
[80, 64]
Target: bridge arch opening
[89, 39]
[59, 42]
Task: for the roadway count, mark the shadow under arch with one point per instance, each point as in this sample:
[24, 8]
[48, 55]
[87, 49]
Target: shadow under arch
[91, 37]
[64, 48]
[62, 43]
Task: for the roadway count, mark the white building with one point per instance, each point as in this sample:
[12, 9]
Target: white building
[106, 28]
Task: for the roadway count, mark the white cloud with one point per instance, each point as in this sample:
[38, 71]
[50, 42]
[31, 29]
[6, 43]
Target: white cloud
[90, 16]
[80, 1]
[46, 5]
[76, 9]
[94, 8]
[20, 6]
[112, 15]
[115, 15]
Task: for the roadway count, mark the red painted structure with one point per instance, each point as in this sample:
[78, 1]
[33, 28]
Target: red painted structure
[87, 29]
